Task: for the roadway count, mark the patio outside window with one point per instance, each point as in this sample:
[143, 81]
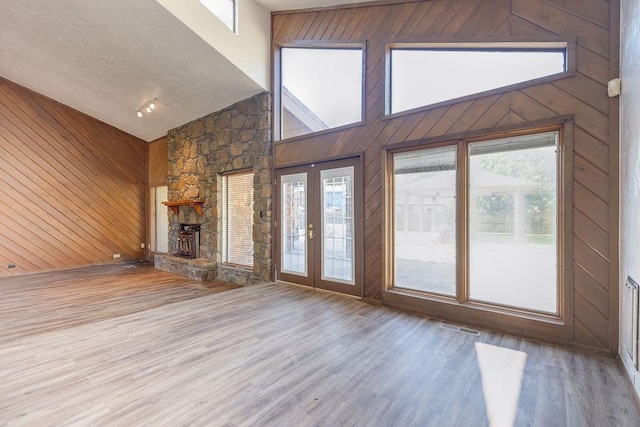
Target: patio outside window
[511, 216]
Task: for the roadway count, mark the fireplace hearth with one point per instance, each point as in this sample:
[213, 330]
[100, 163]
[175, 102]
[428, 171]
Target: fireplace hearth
[188, 243]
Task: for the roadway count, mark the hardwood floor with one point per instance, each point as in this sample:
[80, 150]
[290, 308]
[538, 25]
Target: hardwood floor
[134, 346]
[47, 301]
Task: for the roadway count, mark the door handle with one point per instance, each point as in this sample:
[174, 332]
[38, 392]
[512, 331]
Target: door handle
[310, 232]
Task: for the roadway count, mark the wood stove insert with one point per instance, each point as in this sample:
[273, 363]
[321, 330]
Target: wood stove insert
[188, 244]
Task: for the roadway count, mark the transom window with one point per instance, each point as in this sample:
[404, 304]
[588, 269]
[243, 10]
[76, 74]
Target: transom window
[507, 229]
[422, 75]
[321, 88]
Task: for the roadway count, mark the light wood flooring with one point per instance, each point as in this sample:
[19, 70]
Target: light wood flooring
[127, 346]
[36, 303]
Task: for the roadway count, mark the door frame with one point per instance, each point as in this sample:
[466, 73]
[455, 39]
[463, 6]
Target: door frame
[314, 274]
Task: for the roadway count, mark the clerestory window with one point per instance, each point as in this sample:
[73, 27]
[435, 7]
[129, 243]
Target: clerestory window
[427, 74]
[225, 10]
[320, 89]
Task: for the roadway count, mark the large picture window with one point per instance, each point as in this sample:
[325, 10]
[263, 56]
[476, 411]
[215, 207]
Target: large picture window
[422, 75]
[237, 218]
[509, 216]
[321, 88]
[425, 217]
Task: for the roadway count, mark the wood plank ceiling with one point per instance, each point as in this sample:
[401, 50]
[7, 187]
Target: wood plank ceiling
[583, 95]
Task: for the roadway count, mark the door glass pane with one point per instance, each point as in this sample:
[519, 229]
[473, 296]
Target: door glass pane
[512, 222]
[294, 224]
[424, 202]
[337, 225]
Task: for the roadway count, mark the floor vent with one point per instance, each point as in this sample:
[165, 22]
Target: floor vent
[462, 329]
[450, 327]
[470, 331]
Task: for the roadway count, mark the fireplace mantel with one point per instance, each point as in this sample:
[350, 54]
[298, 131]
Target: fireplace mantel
[195, 203]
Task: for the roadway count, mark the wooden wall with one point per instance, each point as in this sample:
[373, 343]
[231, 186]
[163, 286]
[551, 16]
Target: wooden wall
[593, 23]
[157, 175]
[158, 162]
[72, 189]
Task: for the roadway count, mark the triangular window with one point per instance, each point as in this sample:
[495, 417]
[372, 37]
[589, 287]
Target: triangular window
[224, 10]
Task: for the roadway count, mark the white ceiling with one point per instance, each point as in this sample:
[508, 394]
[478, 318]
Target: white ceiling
[106, 58]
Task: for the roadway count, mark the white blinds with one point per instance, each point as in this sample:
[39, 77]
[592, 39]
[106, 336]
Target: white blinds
[161, 220]
[237, 218]
[526, 142]
[429, 160]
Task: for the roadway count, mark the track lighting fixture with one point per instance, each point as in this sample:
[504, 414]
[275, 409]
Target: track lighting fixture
[147, 106]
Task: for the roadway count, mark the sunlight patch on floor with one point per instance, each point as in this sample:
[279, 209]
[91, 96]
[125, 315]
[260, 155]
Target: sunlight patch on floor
[501, 370]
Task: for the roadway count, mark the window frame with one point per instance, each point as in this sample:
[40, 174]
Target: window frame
[277, 84]
[460, 305]
[490, 44]
[224, 215]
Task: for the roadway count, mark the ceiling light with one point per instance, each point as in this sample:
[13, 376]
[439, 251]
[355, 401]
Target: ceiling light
[147, 106]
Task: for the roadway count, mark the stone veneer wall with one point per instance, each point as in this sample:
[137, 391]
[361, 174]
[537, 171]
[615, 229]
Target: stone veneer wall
[233, 139]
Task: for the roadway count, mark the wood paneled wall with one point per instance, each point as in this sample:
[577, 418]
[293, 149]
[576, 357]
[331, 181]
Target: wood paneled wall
[158, 163]
[594, 264]
[157, 175]
[72, 189]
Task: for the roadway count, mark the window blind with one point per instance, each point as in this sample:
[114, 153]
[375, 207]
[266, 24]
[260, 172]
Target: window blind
[161, 220]
[237, 218]
[503, 145]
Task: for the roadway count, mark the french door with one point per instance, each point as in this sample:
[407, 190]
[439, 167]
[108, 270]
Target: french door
[318, 225]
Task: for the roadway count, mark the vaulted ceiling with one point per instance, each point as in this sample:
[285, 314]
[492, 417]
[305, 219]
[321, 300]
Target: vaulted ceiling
[107, 58]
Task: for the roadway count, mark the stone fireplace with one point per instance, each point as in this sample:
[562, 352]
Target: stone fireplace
[234, 139]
